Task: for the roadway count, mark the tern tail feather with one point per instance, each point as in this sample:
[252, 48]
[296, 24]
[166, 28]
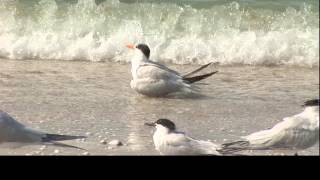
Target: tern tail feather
[196, 70]
[66, 145]
[236, 146]
[51, 138]
[58, 137]
[190, 80]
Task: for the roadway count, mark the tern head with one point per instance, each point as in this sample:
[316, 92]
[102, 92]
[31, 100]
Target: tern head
[164, 123]
[313, 102]
[311, 108]
[141, 47]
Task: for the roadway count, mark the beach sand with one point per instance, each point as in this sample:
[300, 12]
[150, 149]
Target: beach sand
[95, 99]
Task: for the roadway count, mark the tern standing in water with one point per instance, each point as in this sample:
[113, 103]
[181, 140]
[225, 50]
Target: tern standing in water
[297, 132]
[169, 141]
[153, 79]
[11, 131]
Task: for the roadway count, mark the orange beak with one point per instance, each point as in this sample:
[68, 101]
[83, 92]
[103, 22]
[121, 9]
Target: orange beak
[131, 46]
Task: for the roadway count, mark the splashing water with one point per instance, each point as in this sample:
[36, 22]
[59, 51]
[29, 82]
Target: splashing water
[181, 32]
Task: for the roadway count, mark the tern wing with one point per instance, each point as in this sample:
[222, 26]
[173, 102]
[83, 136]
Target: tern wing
[189, 146]
[161, 66]
[205, 147]
[293, 132]
[13, 131]
[7, 121]
[178, 144]
[153, 71]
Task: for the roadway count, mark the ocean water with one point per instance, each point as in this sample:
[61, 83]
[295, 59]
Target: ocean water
[95, 99]
[64, 67]
[240, 32]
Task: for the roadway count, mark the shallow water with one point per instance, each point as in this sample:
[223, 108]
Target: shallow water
[82, 98]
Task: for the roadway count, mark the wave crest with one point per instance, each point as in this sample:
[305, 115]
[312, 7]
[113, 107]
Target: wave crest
[229, 33]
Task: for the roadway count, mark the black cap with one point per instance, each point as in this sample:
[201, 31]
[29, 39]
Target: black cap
[145, 49]
[313, 102]
[166, 123]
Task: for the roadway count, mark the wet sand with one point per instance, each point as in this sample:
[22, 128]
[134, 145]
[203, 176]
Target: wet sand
[95, 99]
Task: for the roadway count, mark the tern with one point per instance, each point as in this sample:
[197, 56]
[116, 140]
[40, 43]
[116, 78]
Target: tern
[169, 141]
[297, 132]
[156, 80]
[11, 131]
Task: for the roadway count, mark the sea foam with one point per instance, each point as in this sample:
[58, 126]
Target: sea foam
[228, 33]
